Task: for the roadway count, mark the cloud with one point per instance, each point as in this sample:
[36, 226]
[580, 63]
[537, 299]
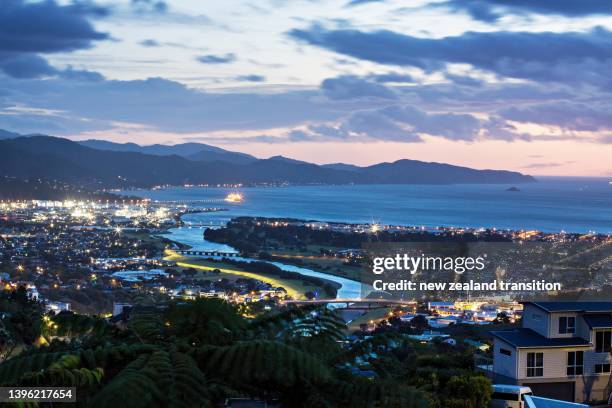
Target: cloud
[547, 164]
[395, 77]
[81, 75]
[542, 56]
[150, 43]
[344, 109]
[216, 59]
[148, 6]
[463, 80]
[353, 3]
[448, 125]
[492, 10]
[28, 29]
[567, 115]
[166, 105]
[328, 132]
[377, 125]
[605, 139]
[399, 123]
[44, 27]
[27, 66]
[251, 78]
[351, 87]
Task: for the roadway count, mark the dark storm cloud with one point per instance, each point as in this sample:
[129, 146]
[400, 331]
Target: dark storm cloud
[492, 10]
[216, 59]
[543, 56]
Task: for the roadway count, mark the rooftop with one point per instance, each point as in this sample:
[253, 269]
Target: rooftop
[527, 338]
[602, 307]
[598, 321]
[539, 402]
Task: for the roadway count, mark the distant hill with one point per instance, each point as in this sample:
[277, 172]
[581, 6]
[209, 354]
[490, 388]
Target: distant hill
[419, 172]
[39, 189]
[67, 161]
[222, 155]
[5, 134]
[62, 159]
[342, 166]
[287, 160]
[192, 151]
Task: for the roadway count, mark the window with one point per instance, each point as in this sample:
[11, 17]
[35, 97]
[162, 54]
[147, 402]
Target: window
[602, 368]
[602, 341]
[506, 396]
[535, 364]
[567, 325]
[575, 362]
[505, 351]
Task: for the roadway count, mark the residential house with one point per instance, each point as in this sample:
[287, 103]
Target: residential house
[562, 351]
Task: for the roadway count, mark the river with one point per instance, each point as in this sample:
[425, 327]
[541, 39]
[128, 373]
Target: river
[194, 237]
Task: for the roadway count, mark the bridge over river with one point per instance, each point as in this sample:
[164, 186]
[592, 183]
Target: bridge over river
[354, 303]
[207, 253]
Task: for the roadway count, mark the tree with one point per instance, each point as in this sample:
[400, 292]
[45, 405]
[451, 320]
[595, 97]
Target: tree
[197, 353]
[468, 392]
[419, 322]
[502, 317]
[190, 272]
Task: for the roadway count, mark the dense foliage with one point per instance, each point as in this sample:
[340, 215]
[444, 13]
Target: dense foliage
[199, 353]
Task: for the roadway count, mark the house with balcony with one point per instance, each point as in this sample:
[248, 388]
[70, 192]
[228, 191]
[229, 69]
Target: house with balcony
[562, 351]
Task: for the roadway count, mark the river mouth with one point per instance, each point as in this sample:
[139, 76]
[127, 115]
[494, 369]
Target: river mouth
[194, 237]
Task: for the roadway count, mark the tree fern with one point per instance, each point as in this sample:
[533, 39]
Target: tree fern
[261, 362]
[161, 379]
[205, 321]
[13, 369]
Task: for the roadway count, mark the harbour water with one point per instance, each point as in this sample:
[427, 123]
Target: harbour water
[551, 205]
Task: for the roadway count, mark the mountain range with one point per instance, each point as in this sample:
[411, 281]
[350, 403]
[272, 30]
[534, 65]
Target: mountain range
[96, 165]
[191, 151]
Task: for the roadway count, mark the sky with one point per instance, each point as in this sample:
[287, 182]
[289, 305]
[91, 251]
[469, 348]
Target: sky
[521, 85]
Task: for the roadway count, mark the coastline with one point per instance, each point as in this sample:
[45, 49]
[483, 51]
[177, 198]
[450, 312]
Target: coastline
[553, 205]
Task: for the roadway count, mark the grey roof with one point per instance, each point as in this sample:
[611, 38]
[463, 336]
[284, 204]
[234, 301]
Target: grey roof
[527, 338]
[602, 307]
[539, 402]
[598, 321]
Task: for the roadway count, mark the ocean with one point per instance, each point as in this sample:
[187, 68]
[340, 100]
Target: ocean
[551, 205]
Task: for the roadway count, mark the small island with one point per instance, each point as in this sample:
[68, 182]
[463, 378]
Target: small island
[512, 189]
